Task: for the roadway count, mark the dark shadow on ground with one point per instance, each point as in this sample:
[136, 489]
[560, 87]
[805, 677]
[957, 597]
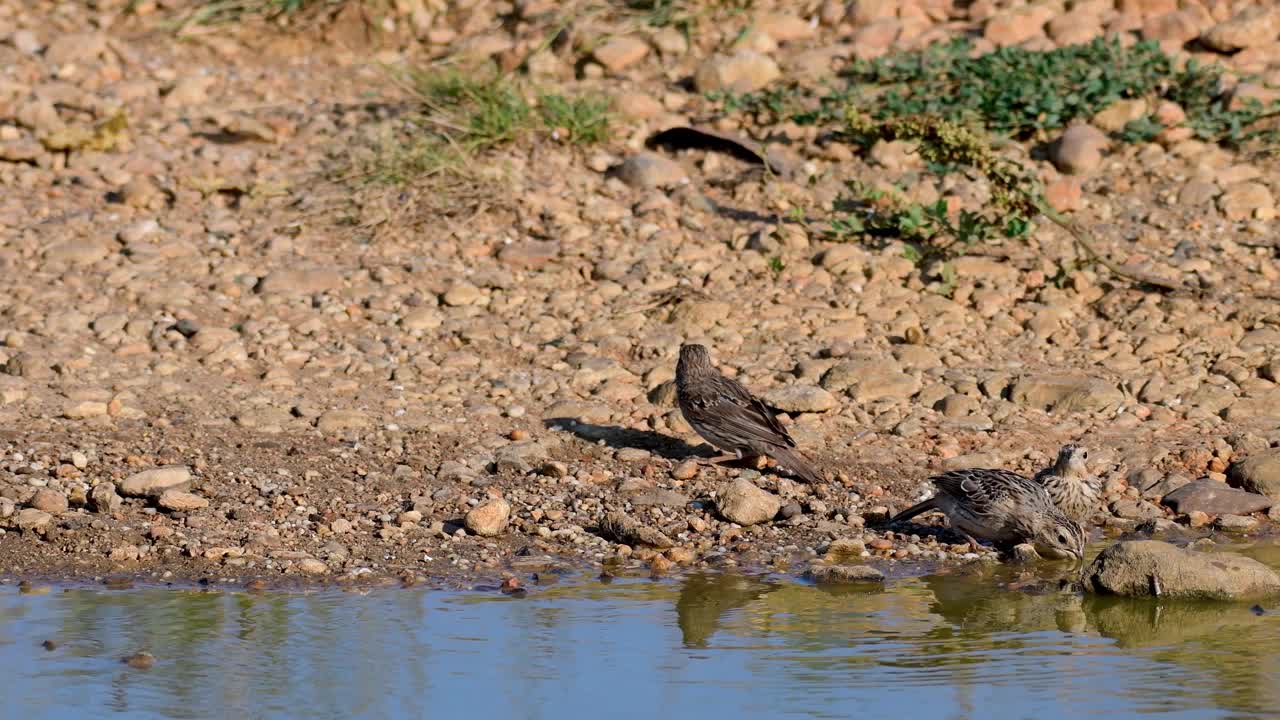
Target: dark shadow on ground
[661, 445]
[619, 437]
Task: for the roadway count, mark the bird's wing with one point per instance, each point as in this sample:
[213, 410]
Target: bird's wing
[1044, 476]
[741, 413]
[981, 490]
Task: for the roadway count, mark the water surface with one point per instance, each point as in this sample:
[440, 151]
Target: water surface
[949, 646]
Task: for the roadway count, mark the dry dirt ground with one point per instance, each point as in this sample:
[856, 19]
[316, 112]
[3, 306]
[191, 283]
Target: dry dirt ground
[333, 370]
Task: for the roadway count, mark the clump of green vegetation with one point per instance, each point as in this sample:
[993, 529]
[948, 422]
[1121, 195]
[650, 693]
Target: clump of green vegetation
[953, 104]
[1016, 195]
[1023, 93]
[585, 119]
[931, 227]
[786, 103]
[475, 112]
[1019, 93]
[935, 231]
[462, 115]
[1013, 91]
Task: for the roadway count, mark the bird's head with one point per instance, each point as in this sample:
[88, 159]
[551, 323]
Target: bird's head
[1072, 461]
[693, 357]
[1058, 536]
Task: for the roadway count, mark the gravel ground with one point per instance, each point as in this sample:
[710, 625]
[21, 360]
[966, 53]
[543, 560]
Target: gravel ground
[227, 356]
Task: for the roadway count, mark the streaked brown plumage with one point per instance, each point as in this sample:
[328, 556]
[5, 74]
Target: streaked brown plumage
[1003, 507]
[1069, 483]
[730, 418]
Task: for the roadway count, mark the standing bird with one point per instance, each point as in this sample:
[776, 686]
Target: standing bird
[1003, 507]
[1069, 483]
[730, 418]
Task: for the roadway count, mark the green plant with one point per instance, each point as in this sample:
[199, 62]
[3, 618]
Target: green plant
[797, 215]
[954, 105]
[949, 277]
[913, 255]
[586, 119]
[461, 115]
[1013, 91]
[777, 264]
[1021, 93]
[767, 106]
[932, 229]
[396, 161]
[479, 111]
[1144, 129]
[787, 103]
[1016, 194]
[1210, 112]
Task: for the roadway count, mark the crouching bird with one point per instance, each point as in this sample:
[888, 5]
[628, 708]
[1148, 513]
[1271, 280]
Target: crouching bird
[1002, 507]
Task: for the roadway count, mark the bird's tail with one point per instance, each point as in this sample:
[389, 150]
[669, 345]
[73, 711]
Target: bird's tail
[917, 509]
[796, 464]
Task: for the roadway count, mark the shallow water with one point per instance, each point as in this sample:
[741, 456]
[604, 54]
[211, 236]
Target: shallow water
[950, 646]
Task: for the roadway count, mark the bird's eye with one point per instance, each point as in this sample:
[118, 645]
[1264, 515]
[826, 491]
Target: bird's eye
[1084, 455]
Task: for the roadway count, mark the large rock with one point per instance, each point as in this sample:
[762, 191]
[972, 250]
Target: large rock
[336, 421]
[848, 373]
[103, 498]
[885, 385]
[620, 528]
[1131, 509]
[744, 503]
[181, 501]
[1079, 150]
[427, 318]
[529, 254]
[300, 282]
[1172, 29]
[1147, 568]
[1065, 394]
[312, 566]
[830, 574]
[489, 518]
[1215, 498]
[1245, 200]
[800, 399]
[583, 411]
[154, 482]
[650, 170]
[743, 71]
[50, 501]
[32, 520]
[621, 52]
[1259, 473]
[1253, 26]
[520, 457]
[1015, 27]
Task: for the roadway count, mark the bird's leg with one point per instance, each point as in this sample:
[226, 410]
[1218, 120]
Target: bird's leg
[719, 459]
[973, 544]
